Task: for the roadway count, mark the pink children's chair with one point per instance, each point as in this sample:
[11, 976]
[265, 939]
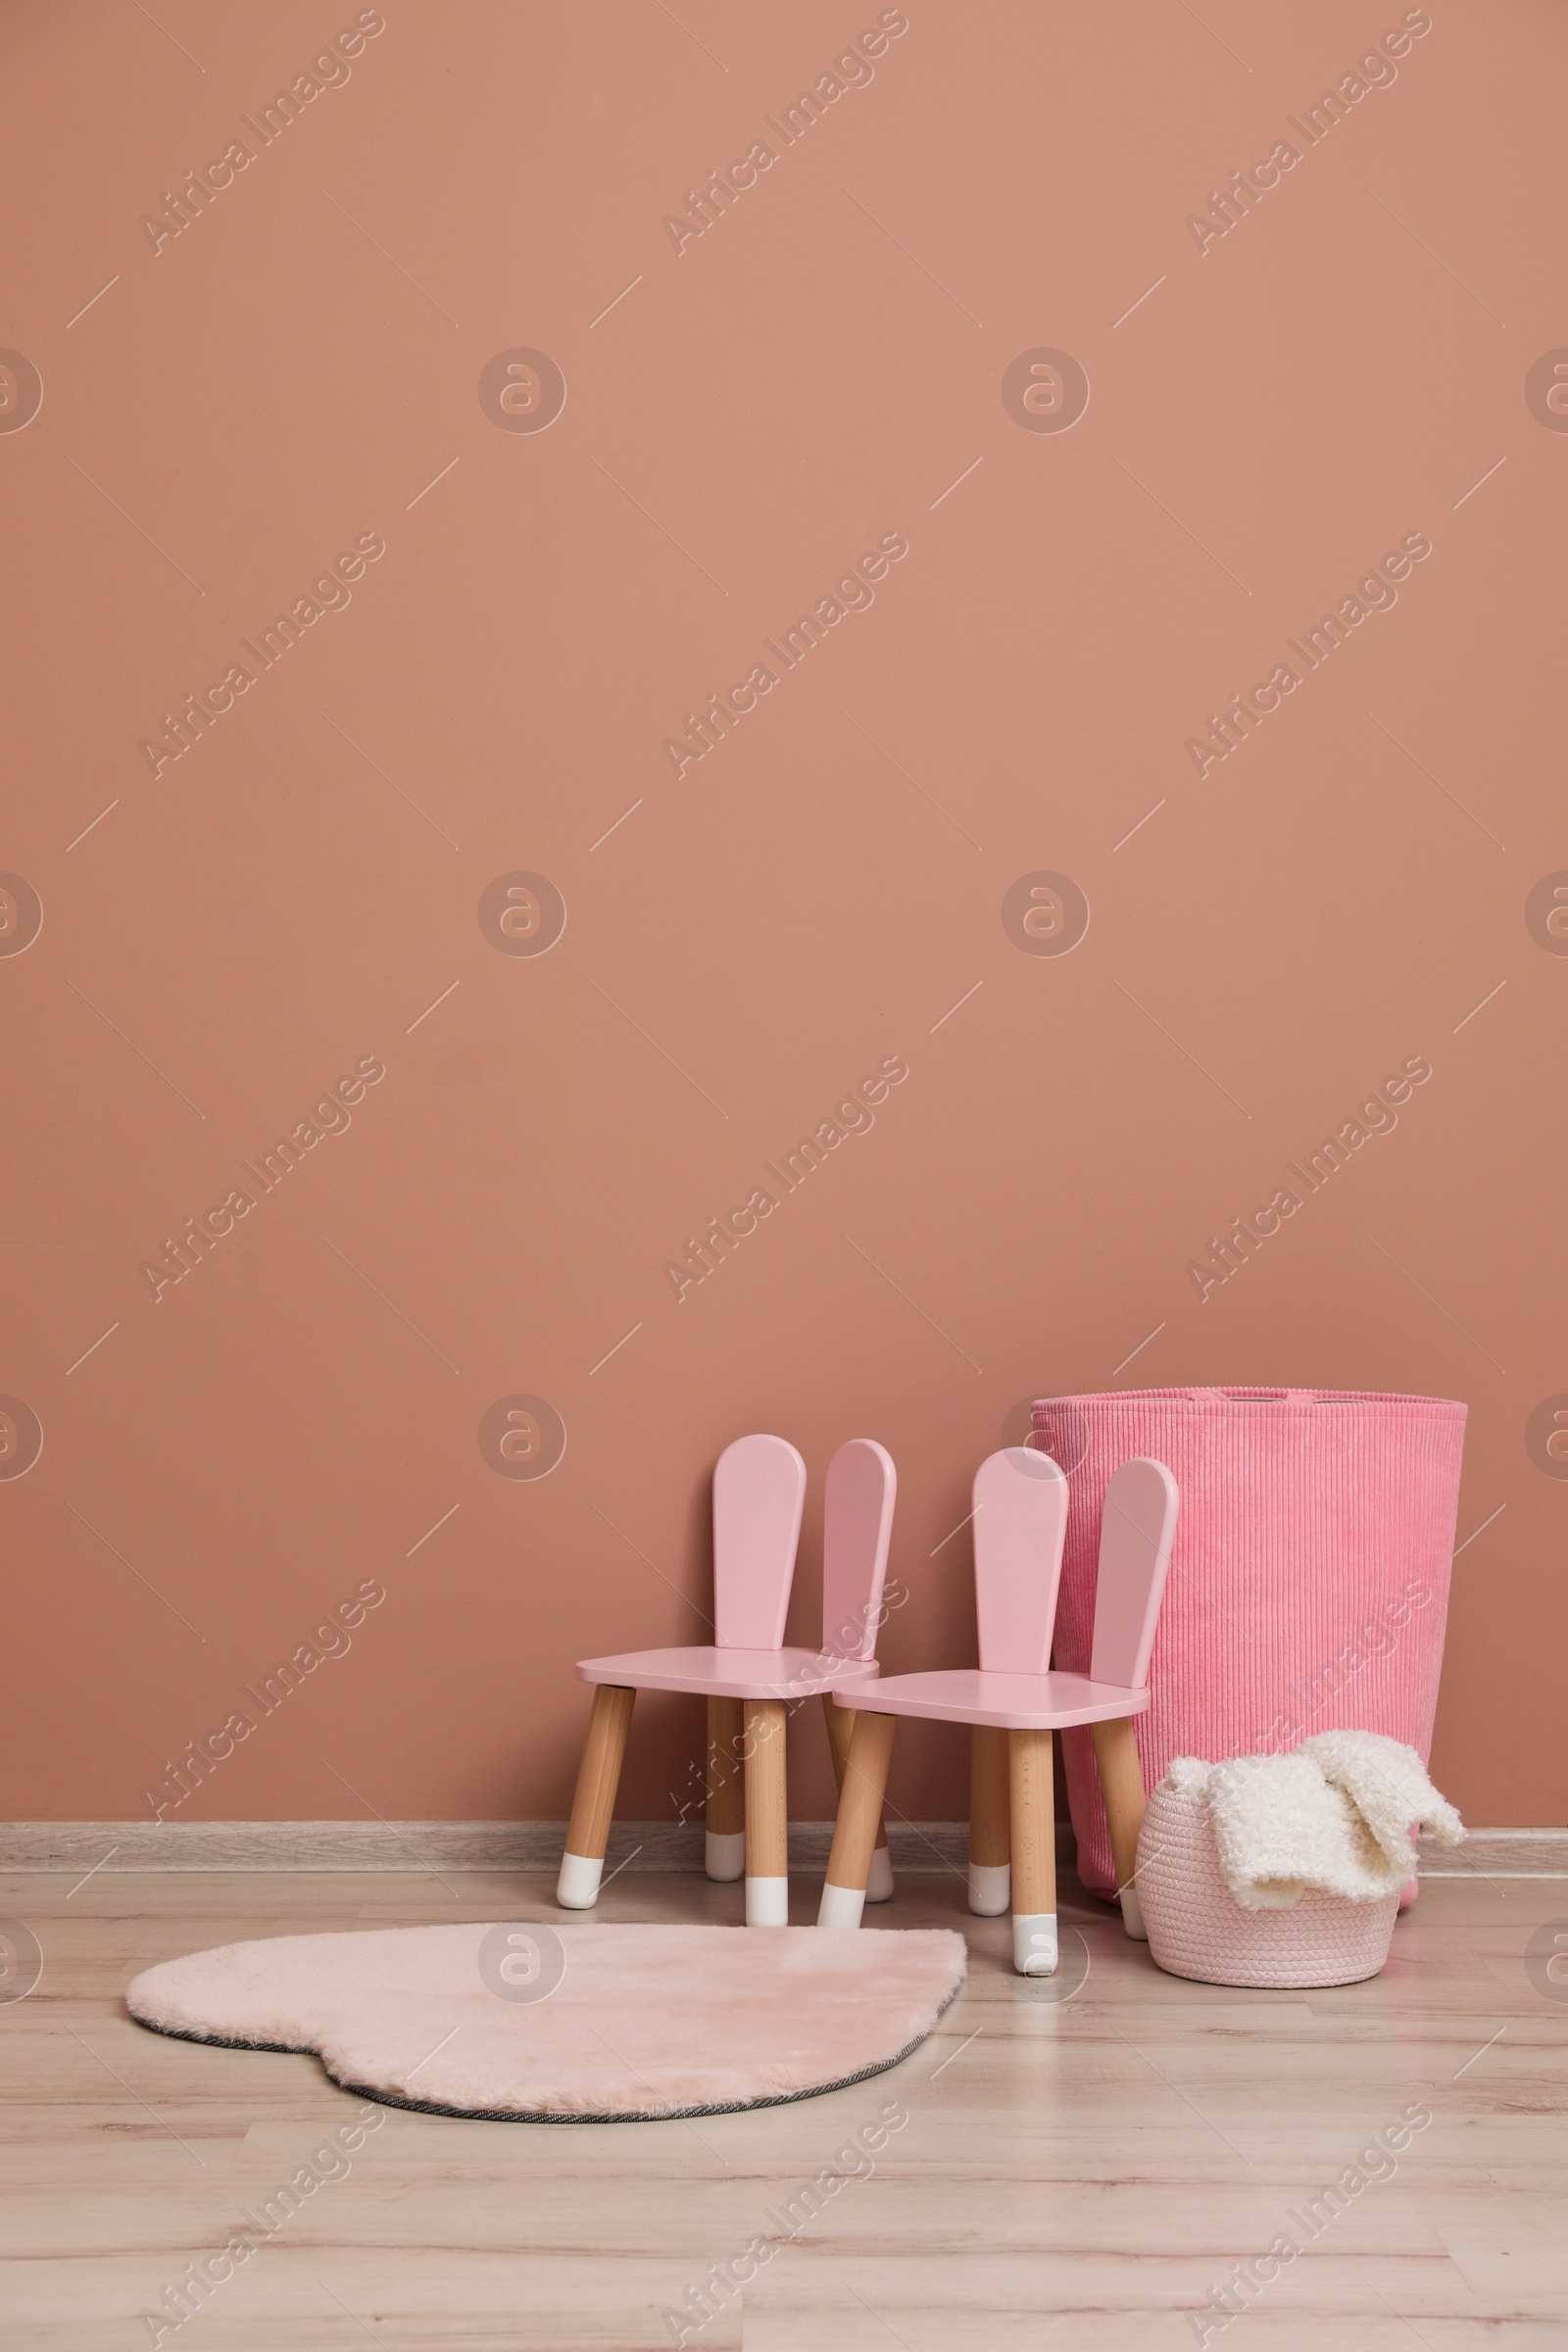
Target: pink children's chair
[749, 1680]
[1015, 1702]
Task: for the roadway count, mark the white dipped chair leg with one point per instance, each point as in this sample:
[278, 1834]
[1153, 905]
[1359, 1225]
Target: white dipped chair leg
[865, 1780]
[725, 1855]
[768, 1884]
[767, 1902]
[990, 1823]
[1122, 1785]
[582, 1865]
[724, 1852]
[1034, 1853]
[577, 1886]
[840, 1733]
[1034, 1944]
[990, 1889]
[841, 1906]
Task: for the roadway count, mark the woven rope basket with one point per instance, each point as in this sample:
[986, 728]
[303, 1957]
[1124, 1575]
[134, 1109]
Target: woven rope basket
[1197, 1928]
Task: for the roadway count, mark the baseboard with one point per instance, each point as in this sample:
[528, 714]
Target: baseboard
[1497, 1855]
[509, 1846]
[518, 1846]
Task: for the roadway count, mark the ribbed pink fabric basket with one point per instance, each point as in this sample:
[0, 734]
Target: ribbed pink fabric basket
[1308, 1588]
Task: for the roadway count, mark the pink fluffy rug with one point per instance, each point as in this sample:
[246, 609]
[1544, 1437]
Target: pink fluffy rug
[524, 2023]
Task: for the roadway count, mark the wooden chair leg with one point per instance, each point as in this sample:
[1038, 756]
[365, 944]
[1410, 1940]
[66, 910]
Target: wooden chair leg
[768, 1858]
[1121, 1784]
[840, 1731]
[582, 1865]
[866, 1781]
[990, 1823]
[1034, 1853]
[726, 1844]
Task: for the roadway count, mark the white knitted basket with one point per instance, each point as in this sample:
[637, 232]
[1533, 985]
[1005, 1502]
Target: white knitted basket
[1197, 1929]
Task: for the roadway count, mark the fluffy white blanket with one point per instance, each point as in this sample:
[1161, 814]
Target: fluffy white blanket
[1337, 1813]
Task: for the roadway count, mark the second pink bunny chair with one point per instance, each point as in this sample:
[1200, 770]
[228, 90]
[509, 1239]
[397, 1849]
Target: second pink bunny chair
[746, 1676]
[1016, 1703]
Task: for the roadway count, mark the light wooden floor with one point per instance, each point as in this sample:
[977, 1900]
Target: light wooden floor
[1074, 2172]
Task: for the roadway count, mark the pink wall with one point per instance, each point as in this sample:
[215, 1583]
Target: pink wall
[317, 364]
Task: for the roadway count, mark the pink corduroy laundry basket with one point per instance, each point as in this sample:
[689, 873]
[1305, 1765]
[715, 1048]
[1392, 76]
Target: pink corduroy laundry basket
[1309, 1587]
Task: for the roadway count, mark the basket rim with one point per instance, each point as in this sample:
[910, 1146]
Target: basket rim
[1224, 1399]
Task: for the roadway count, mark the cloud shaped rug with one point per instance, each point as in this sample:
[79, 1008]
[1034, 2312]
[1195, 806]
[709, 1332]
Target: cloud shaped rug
[517, 2022]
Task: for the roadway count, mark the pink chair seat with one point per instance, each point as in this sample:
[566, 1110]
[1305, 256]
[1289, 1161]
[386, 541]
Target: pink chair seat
[1009, 1702]
[733, 1673]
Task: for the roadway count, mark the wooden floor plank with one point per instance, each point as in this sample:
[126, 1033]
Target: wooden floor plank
[1073, 2169]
